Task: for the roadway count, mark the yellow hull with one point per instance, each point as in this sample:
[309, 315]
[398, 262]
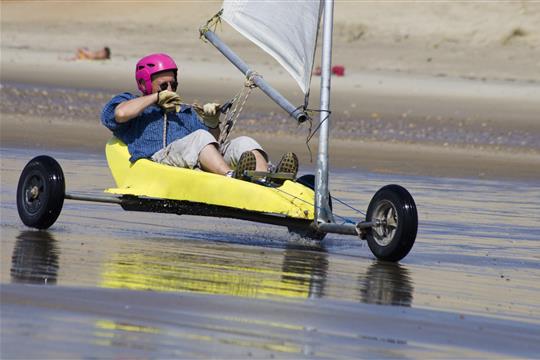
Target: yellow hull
[145, 178]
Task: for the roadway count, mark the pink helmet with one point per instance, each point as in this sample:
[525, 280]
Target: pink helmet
[150, 65]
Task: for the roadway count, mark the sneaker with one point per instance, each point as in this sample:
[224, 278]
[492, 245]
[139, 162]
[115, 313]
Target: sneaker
[288, 164]
[247, 162]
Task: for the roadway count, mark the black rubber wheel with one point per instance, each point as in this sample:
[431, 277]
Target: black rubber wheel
[40, 193]
[394, 208]
[308, 232]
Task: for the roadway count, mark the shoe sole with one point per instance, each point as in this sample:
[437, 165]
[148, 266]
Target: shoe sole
[247, 162]
[288, 164]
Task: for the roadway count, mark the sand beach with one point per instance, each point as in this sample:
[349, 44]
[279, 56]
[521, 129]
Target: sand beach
[424, 83]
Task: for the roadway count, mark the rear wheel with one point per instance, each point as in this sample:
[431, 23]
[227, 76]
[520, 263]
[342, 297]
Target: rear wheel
[394, 210]
[308, 232]
[40, 192]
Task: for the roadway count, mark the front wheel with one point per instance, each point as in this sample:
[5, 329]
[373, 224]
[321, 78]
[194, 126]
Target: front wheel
[393, 210]
[40, 192]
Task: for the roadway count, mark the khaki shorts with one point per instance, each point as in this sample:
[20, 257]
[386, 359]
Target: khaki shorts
[184, 152]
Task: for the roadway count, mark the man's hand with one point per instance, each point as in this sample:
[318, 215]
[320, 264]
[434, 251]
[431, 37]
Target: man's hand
[209, 113]
[169, 101]
[210, 109]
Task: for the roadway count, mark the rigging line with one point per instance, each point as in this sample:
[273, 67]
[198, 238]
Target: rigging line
[312, 133]
[212, 22]
[345, 220]
[347, 205]
[307, 139]
[233, 115]
[229, 121]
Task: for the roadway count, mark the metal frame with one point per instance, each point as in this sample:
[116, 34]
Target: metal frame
[182, 207]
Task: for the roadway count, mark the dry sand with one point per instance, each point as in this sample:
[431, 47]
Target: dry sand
[430, 88]
[495, 40]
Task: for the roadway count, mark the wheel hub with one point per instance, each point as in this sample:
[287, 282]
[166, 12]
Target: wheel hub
[33, 193]
[386, 218]
[33, 189]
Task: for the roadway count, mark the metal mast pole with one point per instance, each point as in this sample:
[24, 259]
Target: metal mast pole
[323, 214]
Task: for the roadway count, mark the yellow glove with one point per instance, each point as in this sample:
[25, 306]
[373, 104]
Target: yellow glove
[209, 113]
[169, 101]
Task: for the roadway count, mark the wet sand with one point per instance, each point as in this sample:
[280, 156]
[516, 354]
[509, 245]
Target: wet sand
[153, 285]
[122, 323]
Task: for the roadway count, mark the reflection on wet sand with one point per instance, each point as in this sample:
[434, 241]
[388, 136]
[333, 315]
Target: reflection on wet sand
[301, 274]
[386, 284]
[298, 272]
[305, 269]
[295, 273]
[35, 258]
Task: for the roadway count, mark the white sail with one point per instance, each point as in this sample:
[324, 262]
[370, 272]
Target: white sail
[287, 30]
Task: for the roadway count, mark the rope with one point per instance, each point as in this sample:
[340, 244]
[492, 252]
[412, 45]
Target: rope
[234, 113]
[211, 24]
[310, 132]
[347, 205]
[164, 129]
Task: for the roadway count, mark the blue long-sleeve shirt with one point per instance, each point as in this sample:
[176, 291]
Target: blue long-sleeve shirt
[144, 133]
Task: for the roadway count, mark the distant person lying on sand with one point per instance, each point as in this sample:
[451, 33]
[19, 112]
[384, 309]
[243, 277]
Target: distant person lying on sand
[85, 54]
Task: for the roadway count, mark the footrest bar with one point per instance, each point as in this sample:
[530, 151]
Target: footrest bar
[269, 175]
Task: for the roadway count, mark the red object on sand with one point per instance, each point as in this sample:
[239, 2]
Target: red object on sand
[338, 70]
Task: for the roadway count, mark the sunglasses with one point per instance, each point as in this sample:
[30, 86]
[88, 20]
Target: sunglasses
[165, 85]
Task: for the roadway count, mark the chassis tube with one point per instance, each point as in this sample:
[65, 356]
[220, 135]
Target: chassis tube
[102, 199]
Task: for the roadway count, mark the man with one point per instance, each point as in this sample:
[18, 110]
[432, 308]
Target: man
[158, 126]
[85, 54]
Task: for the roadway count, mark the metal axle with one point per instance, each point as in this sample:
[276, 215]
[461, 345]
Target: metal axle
[346, 229]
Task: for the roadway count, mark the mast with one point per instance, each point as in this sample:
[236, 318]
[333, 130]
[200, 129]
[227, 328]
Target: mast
[323, 214]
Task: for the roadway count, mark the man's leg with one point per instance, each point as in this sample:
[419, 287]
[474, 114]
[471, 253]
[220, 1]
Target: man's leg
[234, 149]
[262, 164]
[212, 161]
[197, 148]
